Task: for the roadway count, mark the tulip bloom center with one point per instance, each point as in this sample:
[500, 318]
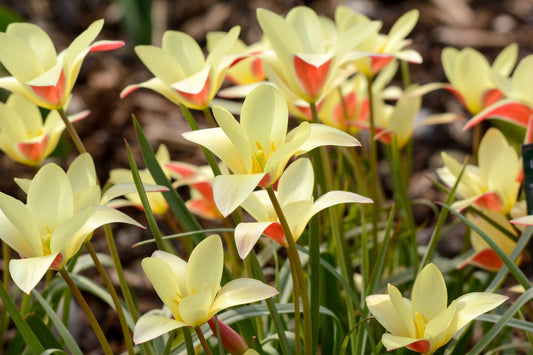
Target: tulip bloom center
[420, 324]
[52, 93]
[260, 158]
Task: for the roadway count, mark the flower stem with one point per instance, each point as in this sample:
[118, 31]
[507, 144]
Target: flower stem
[88, 313]
[201, 337]
[298, 272]
[4, 317]
[114, 297]
[72, 132]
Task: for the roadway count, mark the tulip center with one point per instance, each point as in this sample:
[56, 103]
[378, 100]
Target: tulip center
[46, 242]
[260, 157]
[420, 325]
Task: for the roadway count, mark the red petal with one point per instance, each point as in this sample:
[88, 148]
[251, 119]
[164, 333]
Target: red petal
[107, 46]
[183, 170]
[491, 96]
[489, 200]
[275, 232]
[422, 346]
[312, 78]
[204, 208]
[52, 93]
[200, 98]
[265, 181]
[488, 260]
[456, 93]
[257, 69]
[515, 112]
[379, 62]
[33, 151]
[58, 260]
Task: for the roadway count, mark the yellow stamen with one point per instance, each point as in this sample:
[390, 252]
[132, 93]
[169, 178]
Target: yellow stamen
[420, 325]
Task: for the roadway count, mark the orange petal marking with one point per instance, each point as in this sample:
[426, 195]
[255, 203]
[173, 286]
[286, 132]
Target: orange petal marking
[312, 78]
[52, 93]
[491, 96]
[422, 346]
[200, 98]
[515, 112]
[33, 150]
[379, 62]
[275, 232]
[106, 46]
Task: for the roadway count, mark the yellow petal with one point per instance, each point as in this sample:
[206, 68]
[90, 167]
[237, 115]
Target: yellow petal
[241, 291]
[429, 295]
[204, 269]
[149, 326]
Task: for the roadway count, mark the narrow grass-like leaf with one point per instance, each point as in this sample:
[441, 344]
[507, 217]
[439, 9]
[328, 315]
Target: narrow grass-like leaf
[513, 323]
[29, 337]
[503, 322]
[174, 201]
[185, 234]
[517, 273]
[62, 330]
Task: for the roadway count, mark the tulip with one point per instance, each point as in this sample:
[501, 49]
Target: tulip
[305, 60]
[200, 181]
[257, 148]
[380, 49]
[59, 216]
[517, 106]
[232, 341]
[191, 290]
[39, 74]
[295, 195]
[425, 322]
[494, 183]
[23, 135]
[182, 74]
[484, 256]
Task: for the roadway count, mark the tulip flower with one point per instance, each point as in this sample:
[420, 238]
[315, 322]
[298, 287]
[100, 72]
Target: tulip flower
[484, 256]
[39, 74]
[257, 148]
[469, 74]
[56, 220]
[191, 290]
[247, 69]
[295, 195]
[380, 49]
[425, 322]
[494, 183]
[200, 181]
[182, 74]
[23, 135]
[157, 201]
[517, 106]
[232, 341]
[305, 61]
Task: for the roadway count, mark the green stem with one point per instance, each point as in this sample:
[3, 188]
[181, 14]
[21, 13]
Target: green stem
[72, 132]
[88, 313]
[114, 297]
[340, 242]
[373, 161]
[296, 265]
[201, 337]
[209, 117]
[4, 316]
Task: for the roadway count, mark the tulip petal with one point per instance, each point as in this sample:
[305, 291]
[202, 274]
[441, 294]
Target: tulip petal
[185, 51]
[297, 182]
[68, 236]
[429, 295]
[165, 282]
[161, 63]
[230, 191]
[81, 172]
[393, 342]
[326, 135]
[241, 291]
[247, 234]
[473, 304]
[204, 269]
[507, 110]
[19, 58]
[149, 326]
[332, 198]
[195, 309]
[386, 314]
[403, 309]
[26, 273]
[18, 230]
[128, 188]
[438, 328]
[178, 266]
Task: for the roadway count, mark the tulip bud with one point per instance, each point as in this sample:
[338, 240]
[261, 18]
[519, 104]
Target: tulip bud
[231, 340]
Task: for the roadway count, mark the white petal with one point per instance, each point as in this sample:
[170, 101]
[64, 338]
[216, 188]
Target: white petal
[26, 273]
[247, 234]
[429, 295]
[241, 291]
[325, 135]
[150, 326]
[204, 269]
[231, 190]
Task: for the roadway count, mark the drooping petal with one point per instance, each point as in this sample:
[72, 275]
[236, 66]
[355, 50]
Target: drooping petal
[332, 198]
[149, 326]
[204, 269]
[241, 291]
[429, 296]
[231, 190]
[26, 273]
[473, 304]
[247, 234]
[393, 342]
[326, 135]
